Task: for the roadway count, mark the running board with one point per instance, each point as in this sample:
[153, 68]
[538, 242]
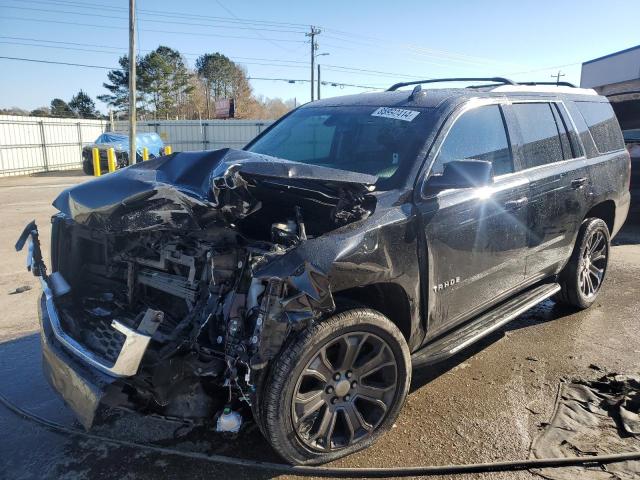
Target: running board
[482, 326]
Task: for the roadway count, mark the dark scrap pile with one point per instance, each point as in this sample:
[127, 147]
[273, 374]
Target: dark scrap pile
[590, 418]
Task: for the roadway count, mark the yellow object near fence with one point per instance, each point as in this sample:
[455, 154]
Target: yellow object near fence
[95, 155]
[145, 154]
[167, 150]
[111, 160]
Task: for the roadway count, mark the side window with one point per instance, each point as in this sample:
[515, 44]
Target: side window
[564, 135]
[479, 134]
[570, 126]
[603, 125]
[541, 142]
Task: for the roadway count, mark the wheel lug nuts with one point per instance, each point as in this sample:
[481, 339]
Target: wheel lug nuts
[329, 389]
[349, 374]
[347, 398]
[354, 384]
[334, 400]
[336, 376]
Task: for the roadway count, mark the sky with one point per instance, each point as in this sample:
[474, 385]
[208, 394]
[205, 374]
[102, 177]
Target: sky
[370, 43]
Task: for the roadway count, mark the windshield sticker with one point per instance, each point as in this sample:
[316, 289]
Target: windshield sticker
[395, 113]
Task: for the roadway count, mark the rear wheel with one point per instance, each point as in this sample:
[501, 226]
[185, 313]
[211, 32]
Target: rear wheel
[87, 168]
[582, 278]
[336, 388]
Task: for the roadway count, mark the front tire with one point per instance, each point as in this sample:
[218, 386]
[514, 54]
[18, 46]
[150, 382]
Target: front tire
[582, 277]
[336, 388]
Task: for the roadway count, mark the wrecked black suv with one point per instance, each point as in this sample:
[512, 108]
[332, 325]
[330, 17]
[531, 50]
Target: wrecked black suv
[300, 278]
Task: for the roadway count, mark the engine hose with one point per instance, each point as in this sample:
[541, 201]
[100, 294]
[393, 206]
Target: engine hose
[334, 472]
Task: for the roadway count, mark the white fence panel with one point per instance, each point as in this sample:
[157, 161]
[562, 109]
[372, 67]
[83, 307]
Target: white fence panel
[35, 144]
[194, 135]
[39, 144]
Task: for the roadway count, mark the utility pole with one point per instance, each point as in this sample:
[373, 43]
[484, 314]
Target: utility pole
[318, 81]
[132, 82]
[557, 76]
[314, 46]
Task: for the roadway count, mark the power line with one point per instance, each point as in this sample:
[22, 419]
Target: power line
[162, 13]
[173, 21]
[245, 60]
[236, 60]
[341, 84]
[257, 30]
[58, 63]
[375, 72]
[197, 34]
[120, 49]
[288, 80]
[442, 55]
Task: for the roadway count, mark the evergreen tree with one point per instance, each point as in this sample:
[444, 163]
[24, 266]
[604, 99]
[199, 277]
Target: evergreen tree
[164, 79]
[83, 106]
[118, 96]
[217, 72]
[59, 108]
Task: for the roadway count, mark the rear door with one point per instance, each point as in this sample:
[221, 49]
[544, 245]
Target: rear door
[608, 161]
[551, 156]
[475, 237]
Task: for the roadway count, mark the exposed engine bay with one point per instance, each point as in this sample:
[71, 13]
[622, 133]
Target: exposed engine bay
[187, 261]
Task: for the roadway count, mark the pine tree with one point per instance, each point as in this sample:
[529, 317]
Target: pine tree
[83, 106]
[60, 108]
[164, 79]
[118, 97]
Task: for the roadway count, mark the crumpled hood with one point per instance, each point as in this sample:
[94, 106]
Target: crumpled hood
[189, 190]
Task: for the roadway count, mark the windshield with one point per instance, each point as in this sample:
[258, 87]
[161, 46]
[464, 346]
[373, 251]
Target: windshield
[380, 141]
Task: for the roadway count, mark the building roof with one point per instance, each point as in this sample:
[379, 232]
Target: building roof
[626, 50]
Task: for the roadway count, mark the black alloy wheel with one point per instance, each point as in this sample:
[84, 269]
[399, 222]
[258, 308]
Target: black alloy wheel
[594, 263]
[344, 391]
[335, 388]
[581, 279]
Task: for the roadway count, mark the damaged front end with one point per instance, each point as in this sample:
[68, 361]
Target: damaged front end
[164, 279]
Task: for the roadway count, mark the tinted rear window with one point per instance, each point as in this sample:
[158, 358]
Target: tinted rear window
[541, 143]
[603, 125]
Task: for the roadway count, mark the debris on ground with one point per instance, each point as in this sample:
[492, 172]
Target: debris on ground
[598, 417]
[22, 289]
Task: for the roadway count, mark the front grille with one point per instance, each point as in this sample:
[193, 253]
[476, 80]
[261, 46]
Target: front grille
[103, 340]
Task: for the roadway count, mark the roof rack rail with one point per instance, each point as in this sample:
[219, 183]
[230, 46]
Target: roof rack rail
[558, 84]
[502, 80]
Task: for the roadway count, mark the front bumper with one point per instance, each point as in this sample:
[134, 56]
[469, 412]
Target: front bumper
[81, 388]
[78, 374]
[133, 349]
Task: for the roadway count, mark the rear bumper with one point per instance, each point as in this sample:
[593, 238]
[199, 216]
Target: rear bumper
[81, 387]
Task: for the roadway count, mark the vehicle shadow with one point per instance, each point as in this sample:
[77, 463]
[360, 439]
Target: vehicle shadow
[546, 311]
[65, 454]
[629, 235]
[59, 174]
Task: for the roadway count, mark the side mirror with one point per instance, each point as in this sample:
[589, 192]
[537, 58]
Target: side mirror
[460, 174]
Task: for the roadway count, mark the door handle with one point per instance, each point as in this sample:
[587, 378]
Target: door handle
[515, 204]
[579, 183]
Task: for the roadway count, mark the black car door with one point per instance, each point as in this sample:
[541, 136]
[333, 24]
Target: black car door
[558, 182]
[475, 237]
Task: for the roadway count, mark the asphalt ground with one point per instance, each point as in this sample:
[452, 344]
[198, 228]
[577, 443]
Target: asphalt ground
[486, 404]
